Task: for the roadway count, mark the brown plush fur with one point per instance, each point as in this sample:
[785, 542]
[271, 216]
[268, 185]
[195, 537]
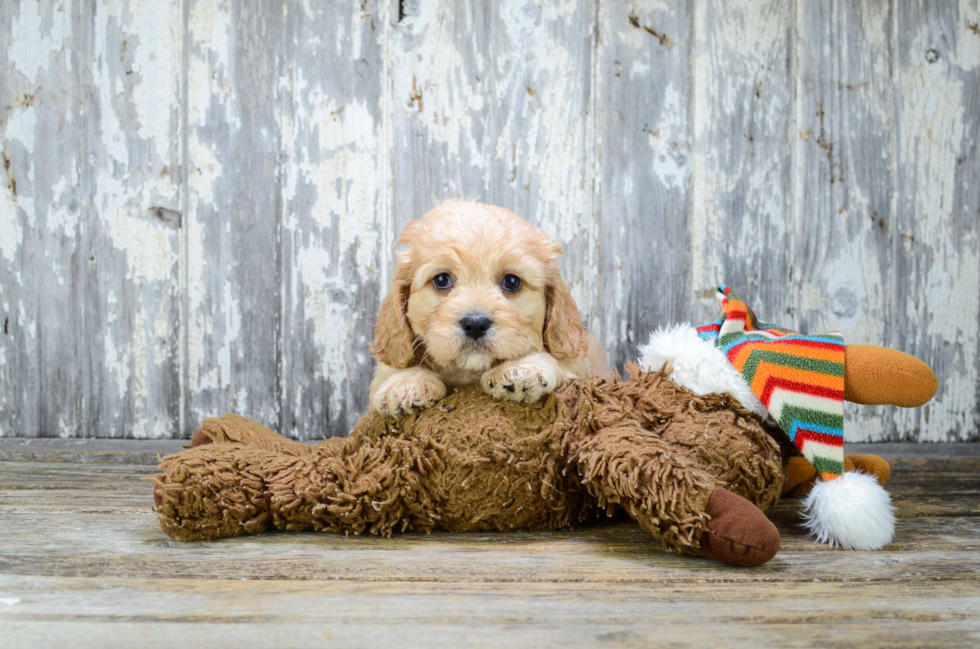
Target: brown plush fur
[642, 444]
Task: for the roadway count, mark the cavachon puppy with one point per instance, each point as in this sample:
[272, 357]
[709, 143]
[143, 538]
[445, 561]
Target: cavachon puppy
[476, 297]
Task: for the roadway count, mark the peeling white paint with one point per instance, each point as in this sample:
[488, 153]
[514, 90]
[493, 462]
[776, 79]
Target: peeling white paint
[21, 126]
[967, 54]
[726, 114]
[154, 35]
[942, 314]
[11, 231]
[325, 312]
[669, 141]
[373, 125]
[38, 30]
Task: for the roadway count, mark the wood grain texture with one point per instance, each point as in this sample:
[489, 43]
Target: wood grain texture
[743, 119]
[233, 211]
[334, 240]
[199, 198]
[83, 560]
[643, 159]
[936, 243]
[89, 292]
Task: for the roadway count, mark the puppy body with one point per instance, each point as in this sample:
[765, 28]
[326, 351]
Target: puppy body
[476, 297]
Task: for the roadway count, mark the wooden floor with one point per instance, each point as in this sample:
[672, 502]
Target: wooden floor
[83, 562]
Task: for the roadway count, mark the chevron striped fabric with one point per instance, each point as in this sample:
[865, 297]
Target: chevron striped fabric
[799, 379]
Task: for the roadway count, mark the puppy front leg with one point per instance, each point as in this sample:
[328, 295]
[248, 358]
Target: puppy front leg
[397, 393]
[527, 379]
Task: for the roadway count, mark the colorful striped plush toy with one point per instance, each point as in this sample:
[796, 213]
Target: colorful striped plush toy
[799, 383]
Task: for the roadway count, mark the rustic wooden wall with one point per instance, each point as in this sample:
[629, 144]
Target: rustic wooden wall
[199, 197]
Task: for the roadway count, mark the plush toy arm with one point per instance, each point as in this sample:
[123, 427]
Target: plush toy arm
[235, 429]
[878, 376]
[667, 493]
[625, 466]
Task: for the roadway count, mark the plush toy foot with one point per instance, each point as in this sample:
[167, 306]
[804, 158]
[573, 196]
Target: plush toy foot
[873, 465]
[878, 375]
[738, 532]
[801, 476]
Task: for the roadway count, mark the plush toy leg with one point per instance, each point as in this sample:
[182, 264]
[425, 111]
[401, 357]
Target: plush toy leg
[801, 476]
[227, 489]
[738, 532]
[878, 375]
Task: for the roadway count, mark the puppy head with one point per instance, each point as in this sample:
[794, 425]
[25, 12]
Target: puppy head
[474, 286]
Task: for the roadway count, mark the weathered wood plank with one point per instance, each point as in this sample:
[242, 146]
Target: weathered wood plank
[903, 456]
[493, 101]
[83, 559]
[334, 232]
[232, 283]
[843, 217]
[742, 174]
[175, 611]
[643, 158]
[72, 542]
[89, 218]
[73, 506]
[936, 268]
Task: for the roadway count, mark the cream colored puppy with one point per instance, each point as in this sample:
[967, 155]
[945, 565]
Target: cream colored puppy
[476, 296]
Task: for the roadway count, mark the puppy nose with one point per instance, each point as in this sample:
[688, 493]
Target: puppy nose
[475, 326]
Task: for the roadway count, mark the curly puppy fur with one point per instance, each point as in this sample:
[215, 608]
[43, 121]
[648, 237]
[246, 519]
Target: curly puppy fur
[643, 445]
[470, 262]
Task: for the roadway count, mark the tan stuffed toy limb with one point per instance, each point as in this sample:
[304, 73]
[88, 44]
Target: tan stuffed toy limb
[474, 463]
[877, 376]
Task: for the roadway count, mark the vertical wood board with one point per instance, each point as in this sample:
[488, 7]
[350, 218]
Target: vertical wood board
[89, 218]
[231, 264]
[643, 167]
[334, 235]
[198, 198]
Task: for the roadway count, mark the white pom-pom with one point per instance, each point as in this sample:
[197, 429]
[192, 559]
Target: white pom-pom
[853, 511]
[697, 365]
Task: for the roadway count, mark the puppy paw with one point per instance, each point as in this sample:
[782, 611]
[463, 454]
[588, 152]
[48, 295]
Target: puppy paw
[408, 391]
[527, 379]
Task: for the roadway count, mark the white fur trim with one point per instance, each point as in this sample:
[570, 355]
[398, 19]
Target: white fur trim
[697, 365]
[852, 511]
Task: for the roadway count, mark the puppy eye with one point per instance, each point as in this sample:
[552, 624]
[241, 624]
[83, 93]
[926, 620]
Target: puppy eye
[442, 281]
[511, 283]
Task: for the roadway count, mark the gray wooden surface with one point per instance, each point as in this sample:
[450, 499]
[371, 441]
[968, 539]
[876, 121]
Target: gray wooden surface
[83, 563]
[198, 198]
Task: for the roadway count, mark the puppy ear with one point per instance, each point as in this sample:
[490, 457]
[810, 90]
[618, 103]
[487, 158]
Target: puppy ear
[563, 333]
[393, 337]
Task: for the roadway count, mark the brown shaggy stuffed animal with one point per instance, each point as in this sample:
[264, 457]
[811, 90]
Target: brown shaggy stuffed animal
[693, 470]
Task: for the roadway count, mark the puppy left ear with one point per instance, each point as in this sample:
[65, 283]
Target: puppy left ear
[563, 332]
